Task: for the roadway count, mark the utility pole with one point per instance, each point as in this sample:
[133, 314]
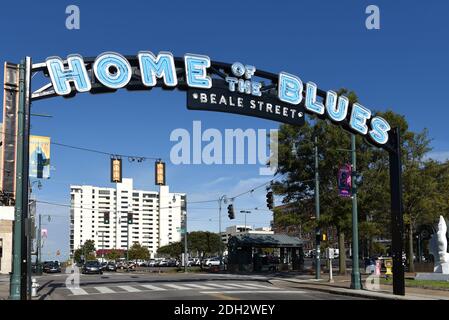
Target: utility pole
[317, 213]
[355, 274]
[245, 212]
[185, 242]
[224, 199]
[127, 248]
[38, 247]
[18, 282]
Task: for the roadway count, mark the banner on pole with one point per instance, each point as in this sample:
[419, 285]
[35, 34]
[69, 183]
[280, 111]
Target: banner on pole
[40, 157]
[344, 181]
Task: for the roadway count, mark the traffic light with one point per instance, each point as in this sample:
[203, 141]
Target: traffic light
[231, 214]
[106, 218]
[130, 217]
[323, 237]
[116, 170]
[159, 173]
[270, 200]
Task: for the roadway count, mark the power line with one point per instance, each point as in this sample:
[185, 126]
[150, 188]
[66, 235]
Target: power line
[64, 145]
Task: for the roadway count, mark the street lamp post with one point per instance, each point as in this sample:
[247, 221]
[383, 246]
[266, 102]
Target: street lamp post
[317, 213]
[102, 244]
[245, 212]
[223, 198]
[355, 275]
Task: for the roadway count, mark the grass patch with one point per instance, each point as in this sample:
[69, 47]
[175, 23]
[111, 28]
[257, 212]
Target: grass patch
[426, 284]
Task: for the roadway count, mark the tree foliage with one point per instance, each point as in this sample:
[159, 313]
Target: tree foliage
[138, 252]
[425, 181]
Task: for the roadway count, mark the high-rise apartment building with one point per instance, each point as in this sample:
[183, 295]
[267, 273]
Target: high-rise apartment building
[157, 217]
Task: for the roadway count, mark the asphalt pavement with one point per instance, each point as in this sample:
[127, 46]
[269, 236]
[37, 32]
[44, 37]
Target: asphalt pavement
[190, 286]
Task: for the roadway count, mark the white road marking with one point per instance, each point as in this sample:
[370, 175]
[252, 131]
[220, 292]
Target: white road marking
[151, 287]
[259, 286]
[221, 286]
[78, 291]
[253, 292]
[104, 290]
[199, 286]
[175, 286]
[129, 288]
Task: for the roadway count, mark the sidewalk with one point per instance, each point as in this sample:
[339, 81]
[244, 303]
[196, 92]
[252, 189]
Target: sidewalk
[4, 287]
[341, 285]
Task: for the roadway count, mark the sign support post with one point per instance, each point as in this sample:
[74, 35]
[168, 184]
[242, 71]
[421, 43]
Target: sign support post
[317, 214]
[397, 223]
[18, 284]
[355, 274]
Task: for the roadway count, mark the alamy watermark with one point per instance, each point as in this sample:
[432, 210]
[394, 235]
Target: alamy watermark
[373, 20]
[212, 147]
[72, 282]
[72, 22]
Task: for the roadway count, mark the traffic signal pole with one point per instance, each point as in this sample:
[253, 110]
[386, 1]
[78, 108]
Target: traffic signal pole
[18, 281]
[317, 214]
[397, 222]
[355, 274]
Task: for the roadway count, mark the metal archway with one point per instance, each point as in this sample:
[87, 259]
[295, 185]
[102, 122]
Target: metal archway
[18, 86]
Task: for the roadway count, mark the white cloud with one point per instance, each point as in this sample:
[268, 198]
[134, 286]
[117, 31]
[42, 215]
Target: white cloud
[439, 155]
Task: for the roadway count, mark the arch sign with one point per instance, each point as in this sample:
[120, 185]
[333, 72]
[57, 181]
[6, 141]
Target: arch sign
[211, 86]
[236, 88]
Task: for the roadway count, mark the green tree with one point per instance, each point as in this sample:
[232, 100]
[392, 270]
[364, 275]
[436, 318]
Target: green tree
[173, 250]
[297, 167]
[204, 242]
[138, 252]
[297, 186]
[114, 254]
[87, 250]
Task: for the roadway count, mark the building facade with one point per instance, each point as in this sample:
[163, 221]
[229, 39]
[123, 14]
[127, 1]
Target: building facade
[241, 229]
[6, 228]
[157, 217]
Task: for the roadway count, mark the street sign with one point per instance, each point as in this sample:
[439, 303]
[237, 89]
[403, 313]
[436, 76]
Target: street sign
[330, 253]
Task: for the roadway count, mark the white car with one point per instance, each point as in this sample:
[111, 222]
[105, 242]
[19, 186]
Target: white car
[212, 262]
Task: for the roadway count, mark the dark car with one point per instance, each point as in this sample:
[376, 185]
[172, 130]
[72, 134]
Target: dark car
[111, 266]
[103, 266]
[92, 267]
[52, 267]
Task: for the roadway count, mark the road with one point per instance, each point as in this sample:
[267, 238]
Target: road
[192, 286]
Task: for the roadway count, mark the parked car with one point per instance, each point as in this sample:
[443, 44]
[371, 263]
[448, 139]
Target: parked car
[172, 263]
[92, 267]
[212, 262]
[51, 267]
[163, 263]
[103, 266]
[111, 266]
[151, 263]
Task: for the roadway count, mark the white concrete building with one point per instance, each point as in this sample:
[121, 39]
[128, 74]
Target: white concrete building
[240, 229]
[157, 216]
[6, 225]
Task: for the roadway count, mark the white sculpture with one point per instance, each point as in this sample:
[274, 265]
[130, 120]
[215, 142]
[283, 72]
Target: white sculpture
[439, 248]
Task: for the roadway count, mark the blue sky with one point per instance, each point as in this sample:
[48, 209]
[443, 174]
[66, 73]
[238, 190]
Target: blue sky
[402, 66]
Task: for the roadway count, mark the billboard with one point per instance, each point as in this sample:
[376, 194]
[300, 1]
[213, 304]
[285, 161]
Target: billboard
[40, 157]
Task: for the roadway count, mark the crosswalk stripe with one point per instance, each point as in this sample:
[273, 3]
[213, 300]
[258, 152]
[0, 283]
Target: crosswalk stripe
[198, 286]
[151, 287]
[104, 290]
[259, 286]
[78, 291]
[237, 285]
[175, 286]
[221, 286]
[129, 288]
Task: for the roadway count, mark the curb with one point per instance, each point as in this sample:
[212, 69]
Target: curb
[343, 293]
